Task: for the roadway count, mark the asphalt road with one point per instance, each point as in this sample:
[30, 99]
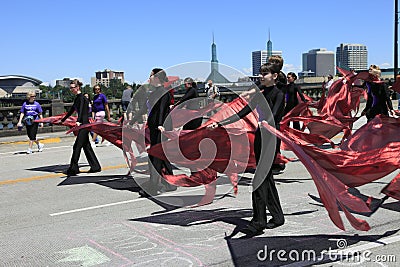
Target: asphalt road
[47, 219]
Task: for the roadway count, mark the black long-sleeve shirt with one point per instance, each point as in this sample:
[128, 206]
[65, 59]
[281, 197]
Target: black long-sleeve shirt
[291, 91]
[378, 98]
[157, 105]
[276, 103]
[191, 93]
[81, 106]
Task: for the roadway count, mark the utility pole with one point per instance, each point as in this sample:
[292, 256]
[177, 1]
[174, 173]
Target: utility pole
[396, 39]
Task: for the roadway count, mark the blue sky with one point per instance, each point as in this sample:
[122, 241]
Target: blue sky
[50, 40]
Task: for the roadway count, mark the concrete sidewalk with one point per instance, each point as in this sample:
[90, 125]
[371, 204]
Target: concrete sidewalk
[46, 137]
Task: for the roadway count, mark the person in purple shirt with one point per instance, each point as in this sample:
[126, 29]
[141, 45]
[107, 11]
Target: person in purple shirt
[99, 108]
[30, 111]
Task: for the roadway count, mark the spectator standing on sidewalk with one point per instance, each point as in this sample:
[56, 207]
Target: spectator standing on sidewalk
[126, 97]
[212, 90]
[328, 84]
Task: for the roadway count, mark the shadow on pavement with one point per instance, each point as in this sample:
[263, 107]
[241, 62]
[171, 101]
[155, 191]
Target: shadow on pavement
[394, 206]
[118, 182]
[263, 250]
[375, 203]
[54, 168]
[191, 217]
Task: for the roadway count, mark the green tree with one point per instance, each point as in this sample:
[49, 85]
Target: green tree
[45, 91]
[116, 88]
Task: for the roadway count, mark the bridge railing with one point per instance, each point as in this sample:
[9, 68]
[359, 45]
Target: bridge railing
[9, 114]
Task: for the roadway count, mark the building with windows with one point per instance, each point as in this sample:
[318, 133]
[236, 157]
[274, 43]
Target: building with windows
[318, 62]
[261, 57]
[66, 82]
[104, 77]
[352, 57]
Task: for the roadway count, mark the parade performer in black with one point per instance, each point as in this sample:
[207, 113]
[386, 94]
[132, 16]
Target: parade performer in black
[265, 194]
[157, 106]
[191, 94]
[378, 101]
[292, 91]
[81, 106]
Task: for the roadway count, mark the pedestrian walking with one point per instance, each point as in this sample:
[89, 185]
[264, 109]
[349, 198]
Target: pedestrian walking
[31, 111]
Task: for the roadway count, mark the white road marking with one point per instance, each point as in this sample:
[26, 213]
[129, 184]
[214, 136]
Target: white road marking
[116, 203]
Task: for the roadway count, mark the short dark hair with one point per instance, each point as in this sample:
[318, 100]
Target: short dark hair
[269, 67]
[293, 75]
[188, 80]
[160, 74]
[276, 59]
[76, 82]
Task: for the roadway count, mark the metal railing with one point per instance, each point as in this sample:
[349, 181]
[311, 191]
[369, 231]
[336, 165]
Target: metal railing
[9, 114]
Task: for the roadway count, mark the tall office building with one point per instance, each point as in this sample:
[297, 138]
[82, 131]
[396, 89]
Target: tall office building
[319, 62]
[261, 57]
[352, 56]
[104, 77]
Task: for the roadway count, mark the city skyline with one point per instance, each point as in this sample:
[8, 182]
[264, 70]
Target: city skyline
[53, 40]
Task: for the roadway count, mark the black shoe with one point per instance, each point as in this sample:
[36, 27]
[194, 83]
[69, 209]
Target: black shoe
[272, 224]
[93, 171]
[253, 230]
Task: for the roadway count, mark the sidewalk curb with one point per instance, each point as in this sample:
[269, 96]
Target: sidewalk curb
[46, 140]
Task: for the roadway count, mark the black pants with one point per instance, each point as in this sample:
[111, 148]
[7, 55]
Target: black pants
[376, 110]
[32, 130]
[157, 167]
[124, 105]
[296, 124]
[265, 195]
[82, 141]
